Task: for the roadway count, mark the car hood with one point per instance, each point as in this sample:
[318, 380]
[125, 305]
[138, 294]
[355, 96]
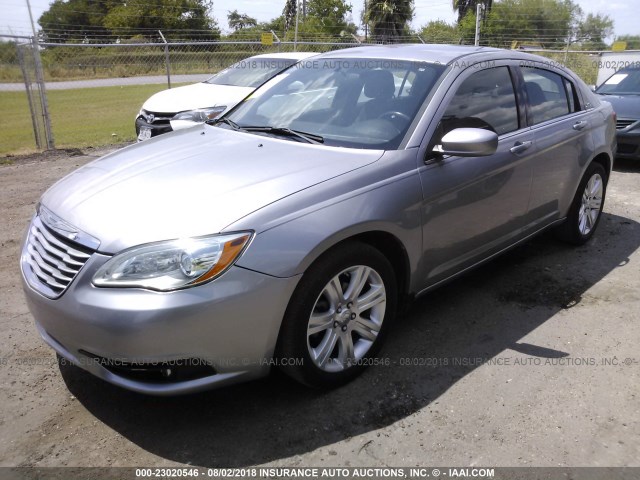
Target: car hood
[625, 106]
[198, 95]
[190, 183]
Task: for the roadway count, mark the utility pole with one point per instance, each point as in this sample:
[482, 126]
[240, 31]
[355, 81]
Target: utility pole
[366, 24]
[304, 9]
[478, 15]
[166, 59]
[40, 80]
[295, 37]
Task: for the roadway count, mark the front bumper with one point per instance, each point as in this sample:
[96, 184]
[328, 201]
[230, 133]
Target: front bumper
[628, 145]
[231, 324]
[158, 127]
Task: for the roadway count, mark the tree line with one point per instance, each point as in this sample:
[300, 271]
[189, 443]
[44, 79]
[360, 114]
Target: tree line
[537, 23]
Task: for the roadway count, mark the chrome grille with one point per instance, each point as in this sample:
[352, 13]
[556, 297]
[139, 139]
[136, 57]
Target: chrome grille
[51, 262]
[621, 124]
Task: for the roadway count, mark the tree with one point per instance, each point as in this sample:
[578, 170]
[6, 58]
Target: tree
[238, 21]
[469, 6]
[389, 19]
[593, 30]
[74, 20]
[439, 31]
[546, 22]
[328, 16]
[152, 15]
[542, 23]
[289, 14]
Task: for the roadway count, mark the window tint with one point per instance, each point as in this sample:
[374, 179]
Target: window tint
[572, 96]
[486, 99]
[548, 94]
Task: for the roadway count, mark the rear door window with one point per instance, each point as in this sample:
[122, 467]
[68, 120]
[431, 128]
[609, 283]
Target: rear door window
[550, 95]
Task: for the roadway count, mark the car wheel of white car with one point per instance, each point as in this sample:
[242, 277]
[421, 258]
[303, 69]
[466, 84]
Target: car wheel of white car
[586, 208]
[337, 318]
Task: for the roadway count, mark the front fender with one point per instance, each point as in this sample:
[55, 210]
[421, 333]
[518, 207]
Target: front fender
[291, 245]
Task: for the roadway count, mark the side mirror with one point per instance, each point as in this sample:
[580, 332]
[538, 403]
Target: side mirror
[592, 88]
[468, 142]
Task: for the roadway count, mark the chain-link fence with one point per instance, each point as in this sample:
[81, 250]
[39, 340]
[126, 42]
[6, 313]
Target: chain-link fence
[87, 62]
[22, 61]
[88, 94]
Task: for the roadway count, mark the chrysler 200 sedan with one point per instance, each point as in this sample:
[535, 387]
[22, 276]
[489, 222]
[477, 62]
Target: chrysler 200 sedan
[290, 231]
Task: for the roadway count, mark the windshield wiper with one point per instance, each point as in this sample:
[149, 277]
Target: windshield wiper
[226, 121]
[307, 137]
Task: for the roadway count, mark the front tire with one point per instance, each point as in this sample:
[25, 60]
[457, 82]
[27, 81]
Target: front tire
[586, 208]
[338, 316]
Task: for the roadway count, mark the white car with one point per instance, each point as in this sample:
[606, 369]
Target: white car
[184, 107]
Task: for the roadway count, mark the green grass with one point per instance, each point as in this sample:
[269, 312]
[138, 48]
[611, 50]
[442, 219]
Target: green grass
[80, 118]
[16, 132]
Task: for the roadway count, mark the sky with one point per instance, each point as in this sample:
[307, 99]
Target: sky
[14, 16]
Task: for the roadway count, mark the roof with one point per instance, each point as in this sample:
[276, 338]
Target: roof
[291, 55]
[436, 53]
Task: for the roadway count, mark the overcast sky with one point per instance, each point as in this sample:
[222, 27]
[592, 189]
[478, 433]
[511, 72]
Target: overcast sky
[14, 17]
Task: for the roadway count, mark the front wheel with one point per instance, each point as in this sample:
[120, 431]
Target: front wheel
[338, 316]
[586, 208]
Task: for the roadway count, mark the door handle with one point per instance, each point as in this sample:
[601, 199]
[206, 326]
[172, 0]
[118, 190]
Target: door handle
[579, 125]
[520, 147]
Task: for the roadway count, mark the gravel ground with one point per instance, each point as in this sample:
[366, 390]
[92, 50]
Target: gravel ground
[531, 360]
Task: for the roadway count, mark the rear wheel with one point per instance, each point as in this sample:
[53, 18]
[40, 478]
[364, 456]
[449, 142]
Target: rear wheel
[338, 316]
[586, 208]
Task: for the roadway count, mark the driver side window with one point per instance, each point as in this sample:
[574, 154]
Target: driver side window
[486, 99]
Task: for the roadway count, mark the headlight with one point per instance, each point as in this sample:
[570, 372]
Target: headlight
[200, 115]
[174, 264]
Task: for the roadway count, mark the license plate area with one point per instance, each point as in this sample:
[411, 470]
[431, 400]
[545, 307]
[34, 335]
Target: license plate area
[144, 134]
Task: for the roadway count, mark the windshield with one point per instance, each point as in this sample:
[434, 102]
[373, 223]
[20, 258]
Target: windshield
[624, 82]
[251, 72]
[359, 103]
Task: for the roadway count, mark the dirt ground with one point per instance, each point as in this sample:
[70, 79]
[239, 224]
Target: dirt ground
[532, 360]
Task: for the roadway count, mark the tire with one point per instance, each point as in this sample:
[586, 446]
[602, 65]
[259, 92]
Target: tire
[586, 208]
[328, 336]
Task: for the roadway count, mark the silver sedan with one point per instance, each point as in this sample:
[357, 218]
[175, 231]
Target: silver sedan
[289, 232]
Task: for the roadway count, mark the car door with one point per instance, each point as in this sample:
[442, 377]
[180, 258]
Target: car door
[475, 206]
[561, 130]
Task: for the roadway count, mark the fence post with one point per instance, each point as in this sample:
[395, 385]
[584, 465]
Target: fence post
[566, 52]
[40, 79]
[166, 59]
[478, 12]
[42, 90]
[277, 39]
[29, 92]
